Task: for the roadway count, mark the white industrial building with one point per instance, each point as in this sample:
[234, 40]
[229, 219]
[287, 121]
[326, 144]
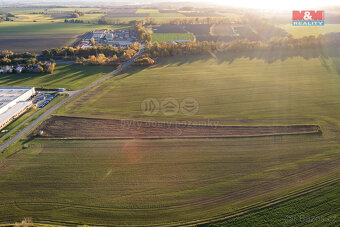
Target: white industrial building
[14, 101]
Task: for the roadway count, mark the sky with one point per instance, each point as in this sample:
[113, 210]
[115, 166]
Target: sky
[269, 4]
[284, 4]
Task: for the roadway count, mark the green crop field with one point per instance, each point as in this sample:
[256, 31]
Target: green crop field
[300, 31]
[166, 37]
[182, 180]
[316, 209]
[155, 181]
[71, 77]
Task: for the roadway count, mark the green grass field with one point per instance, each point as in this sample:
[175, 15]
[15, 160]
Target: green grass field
[300, 31]
[166, 37]
[173, 181]
[70, 77]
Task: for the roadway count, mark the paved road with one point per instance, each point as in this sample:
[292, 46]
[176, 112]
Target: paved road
[69, 98]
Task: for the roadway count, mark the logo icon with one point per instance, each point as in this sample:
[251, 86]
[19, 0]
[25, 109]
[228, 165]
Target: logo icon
[308, 18]
[169, 106]
[189, 106]
[150, 106]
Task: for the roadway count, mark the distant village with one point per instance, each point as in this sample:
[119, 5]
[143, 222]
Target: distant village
[116, 38]
[47, 67]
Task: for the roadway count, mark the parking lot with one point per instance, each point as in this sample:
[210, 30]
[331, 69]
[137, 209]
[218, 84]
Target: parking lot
[43, 98]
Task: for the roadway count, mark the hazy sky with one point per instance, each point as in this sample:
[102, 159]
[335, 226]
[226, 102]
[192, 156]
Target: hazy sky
[284, 4]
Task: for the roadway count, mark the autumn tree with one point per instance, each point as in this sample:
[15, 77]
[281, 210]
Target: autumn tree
[93, 42]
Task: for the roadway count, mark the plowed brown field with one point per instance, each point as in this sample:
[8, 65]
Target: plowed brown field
[76, 127]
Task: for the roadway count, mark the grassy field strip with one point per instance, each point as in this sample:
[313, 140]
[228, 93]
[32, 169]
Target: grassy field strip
[167, 37]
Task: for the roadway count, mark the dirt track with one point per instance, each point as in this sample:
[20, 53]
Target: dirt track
[76, 127]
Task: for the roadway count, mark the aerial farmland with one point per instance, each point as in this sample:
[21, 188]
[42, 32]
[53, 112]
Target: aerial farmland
[168, 114]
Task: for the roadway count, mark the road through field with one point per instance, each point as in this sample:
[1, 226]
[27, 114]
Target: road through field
[72, 95]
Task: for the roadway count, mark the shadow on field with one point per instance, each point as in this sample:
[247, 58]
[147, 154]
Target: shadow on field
[268, 56]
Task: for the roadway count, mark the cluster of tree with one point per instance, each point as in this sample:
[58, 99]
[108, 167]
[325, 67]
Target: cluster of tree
[37, 67]
[77, 14]
[10, 54]
[127, 54]
[170, 49]
[82, 52]
[17, 61]
[143, 34]
[49, 68]
[43, 13]
[27, 61]
[8, 57]
[100, 59]
[144, 60]
[108, 51]
[76, 21]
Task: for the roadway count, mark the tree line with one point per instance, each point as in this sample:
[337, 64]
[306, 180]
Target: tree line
[102, 59]
[11, 58]
[106, 20]
[75, 21]
[91, 54]
[241, 45]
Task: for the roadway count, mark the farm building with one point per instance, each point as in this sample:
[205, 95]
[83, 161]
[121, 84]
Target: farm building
[120, 43]
[14, 101]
